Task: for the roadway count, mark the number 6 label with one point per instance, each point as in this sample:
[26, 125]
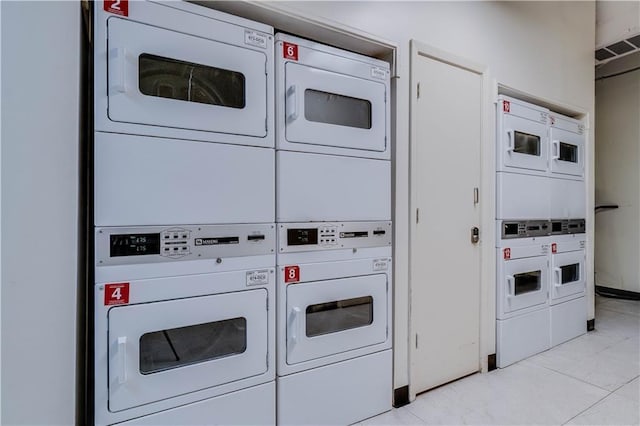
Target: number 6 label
[116, 294]
[291, 274]
[290, 51]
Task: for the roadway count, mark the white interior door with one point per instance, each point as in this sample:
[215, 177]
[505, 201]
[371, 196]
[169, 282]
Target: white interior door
[445, 264]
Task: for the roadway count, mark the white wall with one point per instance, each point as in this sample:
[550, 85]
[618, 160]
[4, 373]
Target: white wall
[40, 108]
[617, 20]
[617, 232]
[542, 48]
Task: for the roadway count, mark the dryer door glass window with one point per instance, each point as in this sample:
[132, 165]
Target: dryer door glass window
[568, 152]
[187, 81]
[331, 108]
[331, 317]
[166, 349]
[524, 143]
[527, 282]
[570, 273]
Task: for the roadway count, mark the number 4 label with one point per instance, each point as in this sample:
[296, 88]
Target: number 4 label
[119, 7]
[291, 274]
[116, 294]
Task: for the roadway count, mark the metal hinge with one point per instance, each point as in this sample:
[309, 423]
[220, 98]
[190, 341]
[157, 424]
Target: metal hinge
[417, 215]
[418, 90]
[416, 341]
[476, 196]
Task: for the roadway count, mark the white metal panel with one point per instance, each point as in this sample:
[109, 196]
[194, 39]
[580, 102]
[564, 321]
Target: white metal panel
[568, 320]
[570, 289]
[510, 303]
[337, 394]
[301, 347]
[568, 199]
[128, 387]
[520, 196]
[522, 336]
[300, 129]
[228, 409]
[156, 181]
[317, 187]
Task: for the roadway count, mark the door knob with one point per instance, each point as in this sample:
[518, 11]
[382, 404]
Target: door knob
[475, 235]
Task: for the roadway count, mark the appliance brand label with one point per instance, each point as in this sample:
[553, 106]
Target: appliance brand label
[506, 106]
[260, 277]
[582, 244]
[380, 264]
[116, 294]
[255, 39]
[119, 7]
[212, 241]
[291, 274]
[545, 248]
[290, 51]
[378, 73]
[506, 254]
[580, 129]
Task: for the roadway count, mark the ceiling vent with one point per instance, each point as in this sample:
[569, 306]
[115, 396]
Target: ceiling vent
[618, 49]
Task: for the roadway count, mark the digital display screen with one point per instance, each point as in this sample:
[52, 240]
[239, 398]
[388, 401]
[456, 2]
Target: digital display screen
[134, 244]
[301, 237]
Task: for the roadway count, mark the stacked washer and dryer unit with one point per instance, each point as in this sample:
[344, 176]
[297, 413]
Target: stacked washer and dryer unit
[185, 238]
[333, 214]
[540, 211]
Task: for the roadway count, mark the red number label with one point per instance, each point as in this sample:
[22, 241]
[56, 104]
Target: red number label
[506, 106]
[507, 253]
[554, 248]
[290, 51]
[116, 294]
[291, 274]
[119, 7]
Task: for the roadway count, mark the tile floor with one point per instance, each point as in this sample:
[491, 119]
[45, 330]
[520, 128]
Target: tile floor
[590, 380]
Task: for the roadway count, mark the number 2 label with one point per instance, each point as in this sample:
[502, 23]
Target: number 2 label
[119, 7]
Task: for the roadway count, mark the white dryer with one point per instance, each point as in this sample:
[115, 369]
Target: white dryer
[332, 134]
[334, 322]
[170, 78]
[567, 288]
[522, 286]
[184, 325]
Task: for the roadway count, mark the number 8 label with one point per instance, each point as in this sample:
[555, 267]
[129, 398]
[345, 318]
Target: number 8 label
[290, 51]
[291, 274]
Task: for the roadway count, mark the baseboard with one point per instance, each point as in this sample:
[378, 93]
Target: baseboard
[401, 396]
[591, 324]
[616, 292]
[491, 362]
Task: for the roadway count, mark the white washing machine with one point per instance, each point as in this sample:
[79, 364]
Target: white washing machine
[522, 278]
[170, 78]
[567, 287]
[332, 134]
[334, 322]
[184, 325]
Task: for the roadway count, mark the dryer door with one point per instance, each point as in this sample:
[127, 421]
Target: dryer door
[335, 316]
[334, 110]
[163, 78]
[567, 274]
[164, 349]
[524, 144]
[567, 152]
[524, 283]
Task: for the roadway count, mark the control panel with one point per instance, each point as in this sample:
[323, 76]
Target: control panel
[152, 244]
[309, 236]
[525, 228]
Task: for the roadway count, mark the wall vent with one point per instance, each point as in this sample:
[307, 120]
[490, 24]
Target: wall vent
[618, 49]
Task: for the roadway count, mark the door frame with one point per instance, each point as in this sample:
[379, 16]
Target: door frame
[487, 301]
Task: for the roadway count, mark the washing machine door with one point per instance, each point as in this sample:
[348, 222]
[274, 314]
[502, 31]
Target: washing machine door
[567, 274]
[159, 77]
[160, 350]
[335, 316]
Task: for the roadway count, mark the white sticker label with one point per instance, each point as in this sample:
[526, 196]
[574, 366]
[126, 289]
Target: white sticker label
[255, 39]
[380, 264]
[378, 73]
[260, 277]
[543, 117]
[583, 244]
[545, 248]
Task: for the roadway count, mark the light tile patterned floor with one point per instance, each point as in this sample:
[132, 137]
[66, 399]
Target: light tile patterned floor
[591, 380]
